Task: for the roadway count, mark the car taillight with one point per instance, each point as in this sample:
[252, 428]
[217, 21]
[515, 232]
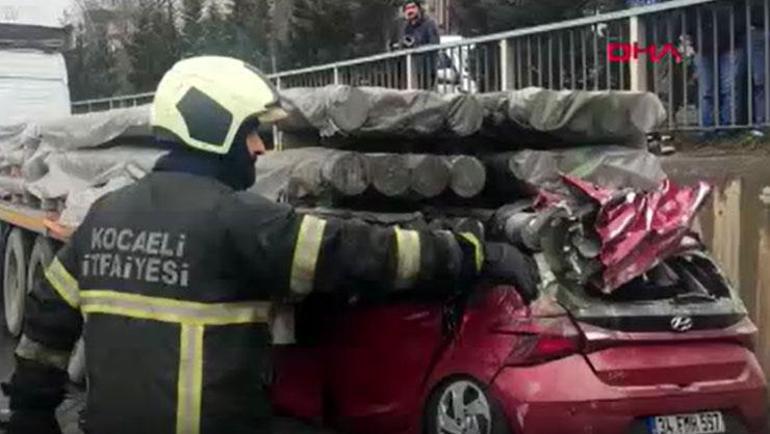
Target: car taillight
[539, 340]
[550, 347]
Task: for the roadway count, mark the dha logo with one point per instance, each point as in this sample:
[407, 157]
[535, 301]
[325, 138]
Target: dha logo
[623, 52]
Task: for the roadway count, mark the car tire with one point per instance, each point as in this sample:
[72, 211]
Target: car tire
[17, 254]
[462, 405]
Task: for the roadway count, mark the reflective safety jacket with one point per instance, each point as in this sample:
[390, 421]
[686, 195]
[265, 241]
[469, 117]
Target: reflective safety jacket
[171, 280]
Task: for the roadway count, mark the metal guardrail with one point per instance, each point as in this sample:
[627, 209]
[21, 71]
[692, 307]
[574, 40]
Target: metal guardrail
[110, 103]
[600, 52]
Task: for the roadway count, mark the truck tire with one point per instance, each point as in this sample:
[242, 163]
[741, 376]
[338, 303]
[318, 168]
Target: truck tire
[17, 251]
[41, 256]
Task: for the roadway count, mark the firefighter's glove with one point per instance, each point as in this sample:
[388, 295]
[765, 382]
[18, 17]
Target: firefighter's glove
[506, 264]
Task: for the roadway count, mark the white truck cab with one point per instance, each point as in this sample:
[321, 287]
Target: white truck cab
[33, 73]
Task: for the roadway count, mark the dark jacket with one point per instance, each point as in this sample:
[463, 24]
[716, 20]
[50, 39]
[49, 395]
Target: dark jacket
[175, 276]
[424, 32]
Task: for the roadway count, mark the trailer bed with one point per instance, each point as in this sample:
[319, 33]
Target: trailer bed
[34, 220]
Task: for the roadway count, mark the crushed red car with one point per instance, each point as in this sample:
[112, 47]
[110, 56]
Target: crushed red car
[665, 348]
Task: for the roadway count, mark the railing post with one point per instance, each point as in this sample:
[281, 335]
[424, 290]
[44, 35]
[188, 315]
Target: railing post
[336, 75]
[507, 56]
[762, 316]
[277, 139]
[637, 68]
[409, 72]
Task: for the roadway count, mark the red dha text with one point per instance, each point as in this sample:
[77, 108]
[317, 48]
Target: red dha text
[624, 52]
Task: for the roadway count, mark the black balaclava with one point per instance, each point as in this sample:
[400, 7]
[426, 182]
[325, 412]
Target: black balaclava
[235, 169]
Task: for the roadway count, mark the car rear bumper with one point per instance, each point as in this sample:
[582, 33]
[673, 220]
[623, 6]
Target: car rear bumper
[565, 396]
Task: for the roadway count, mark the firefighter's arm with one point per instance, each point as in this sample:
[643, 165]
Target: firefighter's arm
[305, 253]
[330, 253]
[52, 326]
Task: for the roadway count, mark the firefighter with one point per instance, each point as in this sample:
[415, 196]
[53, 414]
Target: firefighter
[171, 279]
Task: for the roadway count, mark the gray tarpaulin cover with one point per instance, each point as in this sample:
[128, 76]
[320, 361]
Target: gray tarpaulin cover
[94, 129]
[378, 112]
[69, 159]
[330, 110]
[606, 166]
[540, 117]
[527, 116]
[420, 114]
[13, 140]
[274, 169]
[79, 158]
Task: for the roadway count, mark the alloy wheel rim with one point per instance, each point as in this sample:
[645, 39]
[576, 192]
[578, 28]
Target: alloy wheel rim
[463, 409]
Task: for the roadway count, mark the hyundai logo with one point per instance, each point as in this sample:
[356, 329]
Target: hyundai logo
[681, 323]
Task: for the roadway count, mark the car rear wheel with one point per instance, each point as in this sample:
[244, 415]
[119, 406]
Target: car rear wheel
[17, 251]
[463, 406]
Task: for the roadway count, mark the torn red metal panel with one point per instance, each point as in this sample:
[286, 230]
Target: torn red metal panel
[639, 229]
[546, 199]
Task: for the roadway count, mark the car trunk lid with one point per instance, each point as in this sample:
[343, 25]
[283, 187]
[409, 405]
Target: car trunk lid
[669, 363]
[677, 325]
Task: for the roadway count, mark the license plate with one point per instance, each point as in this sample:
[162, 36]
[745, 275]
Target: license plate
[711, 422]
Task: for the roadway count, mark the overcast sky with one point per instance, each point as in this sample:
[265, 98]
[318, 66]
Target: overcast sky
[59, 6]
[40, 12]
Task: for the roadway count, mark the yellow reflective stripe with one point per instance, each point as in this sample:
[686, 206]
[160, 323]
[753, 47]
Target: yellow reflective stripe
[131, 313]
[63, 282]
[408, 254]
[478, 249]
[31, 350]
[168, 310]
[306, 252]
[190, 382]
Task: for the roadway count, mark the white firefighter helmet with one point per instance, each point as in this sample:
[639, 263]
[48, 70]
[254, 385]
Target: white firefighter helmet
[202, 102]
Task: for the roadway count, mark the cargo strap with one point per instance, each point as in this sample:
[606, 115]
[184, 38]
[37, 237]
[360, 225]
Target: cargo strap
[63, 283]
[32, 350]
